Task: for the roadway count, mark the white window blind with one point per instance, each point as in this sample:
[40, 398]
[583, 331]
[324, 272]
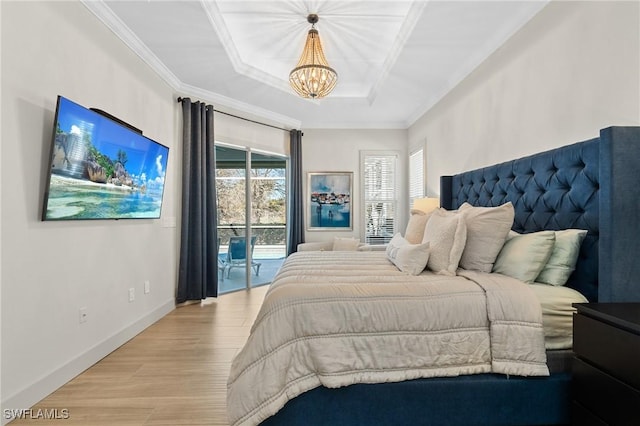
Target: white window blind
[379, 196]
[416, 176]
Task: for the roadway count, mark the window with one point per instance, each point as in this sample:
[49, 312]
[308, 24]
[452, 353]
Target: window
[416, 176]
[378, 177]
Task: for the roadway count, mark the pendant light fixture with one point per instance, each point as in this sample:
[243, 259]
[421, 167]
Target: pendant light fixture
[313, 77]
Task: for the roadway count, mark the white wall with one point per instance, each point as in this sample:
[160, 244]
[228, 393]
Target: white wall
[339, 151]
[234, 131]
[51, 269]
[572, 70]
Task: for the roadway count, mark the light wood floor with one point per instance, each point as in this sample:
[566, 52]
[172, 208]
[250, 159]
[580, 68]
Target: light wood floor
[173, 373]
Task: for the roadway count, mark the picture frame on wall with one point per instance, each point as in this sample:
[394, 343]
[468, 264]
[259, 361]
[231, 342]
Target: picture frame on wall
[329, 201]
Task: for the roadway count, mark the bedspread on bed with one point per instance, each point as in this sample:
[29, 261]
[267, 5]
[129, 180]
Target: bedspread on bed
[333, 319]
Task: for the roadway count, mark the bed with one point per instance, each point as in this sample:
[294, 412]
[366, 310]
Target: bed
[591, 185]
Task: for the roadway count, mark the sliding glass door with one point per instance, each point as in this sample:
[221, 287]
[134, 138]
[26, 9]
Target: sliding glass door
[251, 216]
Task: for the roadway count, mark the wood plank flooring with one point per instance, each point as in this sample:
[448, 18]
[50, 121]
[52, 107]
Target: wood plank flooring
[173, 373]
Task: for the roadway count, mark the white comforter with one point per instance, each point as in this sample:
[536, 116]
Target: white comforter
[334, 319]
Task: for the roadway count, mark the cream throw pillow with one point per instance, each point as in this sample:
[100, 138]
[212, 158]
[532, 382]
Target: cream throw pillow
[409, 258]
[446, 234]
[487, 229]
[345, 244]
[523, 256]
[563, 257]
[415, 227]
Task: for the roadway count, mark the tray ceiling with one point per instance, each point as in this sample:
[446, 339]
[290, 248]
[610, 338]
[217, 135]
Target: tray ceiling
[394, 59]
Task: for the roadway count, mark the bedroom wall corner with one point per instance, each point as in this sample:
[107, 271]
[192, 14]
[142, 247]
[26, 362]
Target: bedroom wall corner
[569, 72]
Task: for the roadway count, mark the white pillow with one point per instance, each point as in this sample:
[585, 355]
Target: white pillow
[563, 257]
[487, 229]
[415, 227]
[446, 234]
[523, 256]
[409, 258]
[345, 244]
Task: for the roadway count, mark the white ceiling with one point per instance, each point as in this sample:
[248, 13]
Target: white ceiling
[394, 59]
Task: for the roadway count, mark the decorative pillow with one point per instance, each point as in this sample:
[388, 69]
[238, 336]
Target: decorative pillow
[487, 229]
[316, 246]
[415, 228]
[409, 258]
[345, 244]
[446, 234]
[563, 257]
[523, 256]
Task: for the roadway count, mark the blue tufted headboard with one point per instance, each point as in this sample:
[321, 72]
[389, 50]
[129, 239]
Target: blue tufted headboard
[592, 185]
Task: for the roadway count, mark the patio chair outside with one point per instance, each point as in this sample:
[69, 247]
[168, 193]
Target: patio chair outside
[237, 255]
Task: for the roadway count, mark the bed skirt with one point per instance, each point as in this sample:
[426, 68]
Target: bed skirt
[487, 399]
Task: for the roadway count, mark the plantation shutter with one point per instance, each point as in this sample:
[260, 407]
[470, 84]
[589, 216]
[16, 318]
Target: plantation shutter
[416, 176]
[379, 196]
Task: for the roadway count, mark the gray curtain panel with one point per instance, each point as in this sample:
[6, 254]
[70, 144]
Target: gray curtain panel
[296, 193]
[198, 270]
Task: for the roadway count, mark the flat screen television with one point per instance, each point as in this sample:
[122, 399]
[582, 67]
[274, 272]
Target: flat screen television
[101, 168]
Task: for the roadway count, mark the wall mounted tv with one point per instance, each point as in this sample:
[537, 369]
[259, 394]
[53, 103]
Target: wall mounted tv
[101, 168]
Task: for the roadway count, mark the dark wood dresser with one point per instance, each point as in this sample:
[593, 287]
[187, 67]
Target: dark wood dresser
[606, 366]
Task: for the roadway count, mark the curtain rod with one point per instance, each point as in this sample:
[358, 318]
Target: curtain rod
[242, 118]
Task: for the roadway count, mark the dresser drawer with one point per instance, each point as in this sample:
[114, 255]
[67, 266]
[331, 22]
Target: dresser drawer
[608, 398]
[612, 349]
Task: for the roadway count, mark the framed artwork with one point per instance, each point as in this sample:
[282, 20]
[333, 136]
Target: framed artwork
[329, 201]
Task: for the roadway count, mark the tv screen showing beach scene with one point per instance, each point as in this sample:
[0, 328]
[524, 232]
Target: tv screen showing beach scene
[101, 169]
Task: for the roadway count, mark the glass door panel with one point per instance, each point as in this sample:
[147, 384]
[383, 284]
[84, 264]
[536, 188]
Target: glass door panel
[268, 215]
[231, 166]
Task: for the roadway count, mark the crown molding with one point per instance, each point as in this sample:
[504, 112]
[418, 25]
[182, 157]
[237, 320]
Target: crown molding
[220, 27]
[413, 16]
[483, 54]
[102, 11]
[224, 101]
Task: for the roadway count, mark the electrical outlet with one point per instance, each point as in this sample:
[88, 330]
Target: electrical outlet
[132, 294]
[83, 315]
[147, 287]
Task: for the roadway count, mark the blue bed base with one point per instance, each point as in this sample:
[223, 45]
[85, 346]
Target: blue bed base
[593, 185]
[486, 399]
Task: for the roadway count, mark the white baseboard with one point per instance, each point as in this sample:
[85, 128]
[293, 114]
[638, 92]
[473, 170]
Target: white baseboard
[38, 390]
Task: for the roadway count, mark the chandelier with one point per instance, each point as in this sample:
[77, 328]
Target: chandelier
[313, 77]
